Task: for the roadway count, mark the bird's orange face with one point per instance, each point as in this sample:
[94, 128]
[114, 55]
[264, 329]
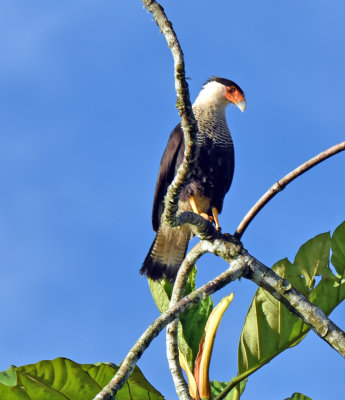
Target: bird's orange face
[235, 96]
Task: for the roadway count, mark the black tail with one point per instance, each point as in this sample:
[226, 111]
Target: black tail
[166, 254]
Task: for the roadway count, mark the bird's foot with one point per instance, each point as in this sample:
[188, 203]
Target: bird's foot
[208, 218]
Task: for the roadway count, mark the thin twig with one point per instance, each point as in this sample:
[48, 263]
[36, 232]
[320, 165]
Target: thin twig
[282, 183]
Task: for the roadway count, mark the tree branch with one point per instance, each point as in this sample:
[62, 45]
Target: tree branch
[190, 130]
[172, 329]
[180, 383]
[282, 183]
[183, 104]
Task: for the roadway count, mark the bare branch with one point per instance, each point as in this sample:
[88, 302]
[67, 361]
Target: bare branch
[183, 104]
[180, 383]
[282, 183]
[172, 329]
[190, 130]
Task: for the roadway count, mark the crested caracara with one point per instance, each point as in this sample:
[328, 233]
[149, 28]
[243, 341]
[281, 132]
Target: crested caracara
[210, 180]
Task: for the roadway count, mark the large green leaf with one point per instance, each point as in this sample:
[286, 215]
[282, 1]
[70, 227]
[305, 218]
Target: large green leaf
[269, 327]
[63, 379]
[192, 322]
[298, 396]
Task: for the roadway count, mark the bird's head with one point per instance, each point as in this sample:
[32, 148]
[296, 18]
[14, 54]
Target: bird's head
[222, 91]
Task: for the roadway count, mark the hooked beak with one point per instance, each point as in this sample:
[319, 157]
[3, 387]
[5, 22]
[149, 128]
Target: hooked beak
[242, 105]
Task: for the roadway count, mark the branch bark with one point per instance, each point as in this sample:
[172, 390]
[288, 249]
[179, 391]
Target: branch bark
[282, 183]
[172, 329]
[190, 130]
[183, 104]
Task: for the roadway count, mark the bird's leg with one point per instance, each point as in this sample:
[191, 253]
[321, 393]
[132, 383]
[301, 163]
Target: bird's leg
[196, 210]
[216, 220]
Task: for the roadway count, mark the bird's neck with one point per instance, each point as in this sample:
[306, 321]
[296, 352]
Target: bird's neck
[212, 123]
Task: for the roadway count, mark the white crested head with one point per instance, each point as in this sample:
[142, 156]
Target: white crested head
[218, 92]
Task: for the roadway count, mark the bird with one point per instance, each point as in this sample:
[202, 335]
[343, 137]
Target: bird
[203, 193]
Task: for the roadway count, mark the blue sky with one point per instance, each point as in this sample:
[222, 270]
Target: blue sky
[86, 106]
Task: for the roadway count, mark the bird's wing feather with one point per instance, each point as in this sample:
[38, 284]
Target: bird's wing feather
[226, 165]
[171, 160]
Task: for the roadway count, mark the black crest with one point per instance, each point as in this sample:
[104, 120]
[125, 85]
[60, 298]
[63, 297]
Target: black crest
[222, 81]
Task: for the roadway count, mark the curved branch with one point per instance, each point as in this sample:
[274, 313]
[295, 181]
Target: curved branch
[183, 104]
[282, 183]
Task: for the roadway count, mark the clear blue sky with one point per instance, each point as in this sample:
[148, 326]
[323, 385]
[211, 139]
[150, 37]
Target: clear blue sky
[86, 107]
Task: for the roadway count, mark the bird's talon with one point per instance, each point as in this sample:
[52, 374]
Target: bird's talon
[207, 217]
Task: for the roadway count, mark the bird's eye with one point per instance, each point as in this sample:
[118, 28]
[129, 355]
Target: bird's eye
[232, 89]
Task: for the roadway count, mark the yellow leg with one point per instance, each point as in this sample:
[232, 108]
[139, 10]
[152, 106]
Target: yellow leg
[196, 210]
[216, 220]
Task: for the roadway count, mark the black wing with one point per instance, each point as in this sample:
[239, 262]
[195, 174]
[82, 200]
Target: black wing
[226, 165]
[171, 160]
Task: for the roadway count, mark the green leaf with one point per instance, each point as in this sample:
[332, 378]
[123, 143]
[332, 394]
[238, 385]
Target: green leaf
[338, 250]
[62, 379]
[192, 322]
[269, 327]
[298, 396]
[8, 378]
[161, 293]
[218, 387]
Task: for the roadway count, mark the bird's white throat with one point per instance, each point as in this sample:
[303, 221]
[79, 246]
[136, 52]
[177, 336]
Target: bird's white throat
[212, 95]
